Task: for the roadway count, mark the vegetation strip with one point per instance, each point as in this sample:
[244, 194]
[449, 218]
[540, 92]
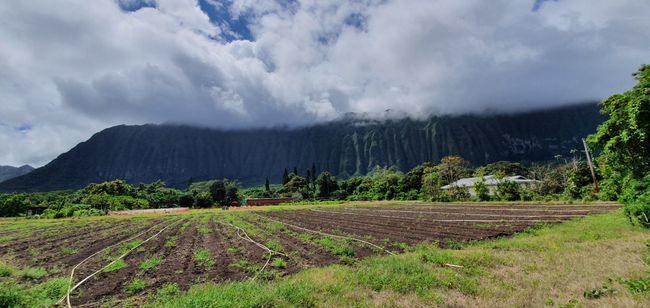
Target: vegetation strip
[70, 288]
[332, 235]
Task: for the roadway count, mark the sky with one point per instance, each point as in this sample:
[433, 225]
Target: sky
[70, 68]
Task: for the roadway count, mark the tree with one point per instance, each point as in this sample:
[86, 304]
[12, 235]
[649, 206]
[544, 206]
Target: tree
[624, 138]
[186, 200]
[295, 171]
[505, 167]
[13, 205]
[285, 177]
[431, 183]
[296, 183]
[217, 191]
[326, 183]
[452, 168]
[481, 190]
[203, 200]
[413, 179]
[507, 190]
[267, 185]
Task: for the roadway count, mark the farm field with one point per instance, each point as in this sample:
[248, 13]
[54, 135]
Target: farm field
[130, 259]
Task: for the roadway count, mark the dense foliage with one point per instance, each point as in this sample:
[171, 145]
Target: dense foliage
[623, 141]
[98, 199]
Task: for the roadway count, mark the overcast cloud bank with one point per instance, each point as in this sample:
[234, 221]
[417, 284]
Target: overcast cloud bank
[70, 68]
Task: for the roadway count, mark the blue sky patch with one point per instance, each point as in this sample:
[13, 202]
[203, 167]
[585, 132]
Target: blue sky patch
[233, 28]
[134, 5]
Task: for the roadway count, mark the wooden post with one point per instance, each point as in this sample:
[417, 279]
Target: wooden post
[591, 166]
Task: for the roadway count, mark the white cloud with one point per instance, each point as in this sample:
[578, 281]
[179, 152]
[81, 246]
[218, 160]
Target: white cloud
[71, 68]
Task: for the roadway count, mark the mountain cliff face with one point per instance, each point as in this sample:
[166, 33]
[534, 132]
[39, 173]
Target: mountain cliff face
[180, 154]
[10, 172]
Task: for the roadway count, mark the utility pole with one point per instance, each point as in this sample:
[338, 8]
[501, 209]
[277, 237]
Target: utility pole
[591, 166]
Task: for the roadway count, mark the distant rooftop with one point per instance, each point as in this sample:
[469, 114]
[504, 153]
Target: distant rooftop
[489, 180]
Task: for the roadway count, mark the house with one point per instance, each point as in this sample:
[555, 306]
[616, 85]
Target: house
[491, 182]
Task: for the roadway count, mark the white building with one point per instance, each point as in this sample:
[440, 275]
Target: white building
[491, 183]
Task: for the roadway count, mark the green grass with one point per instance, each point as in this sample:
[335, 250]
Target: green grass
[341, 248]
[45, 294]
[69, 250]
[116, 266]
[33, 272]
[150, 263]
[203, 258]
[275, 246]
[171, 242]
[134, 287]
[279, 263]
[186, 225]
[6, 270]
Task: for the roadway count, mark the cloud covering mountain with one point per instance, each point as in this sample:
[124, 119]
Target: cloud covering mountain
[70, 68]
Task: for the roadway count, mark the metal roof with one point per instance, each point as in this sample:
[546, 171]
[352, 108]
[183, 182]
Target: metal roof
[489, 180]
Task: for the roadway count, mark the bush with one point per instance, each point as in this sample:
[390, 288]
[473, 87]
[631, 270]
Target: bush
[482, 191]
[186, 200]
[72, 210]
[203, 199]
[508, 191]
[636, 197]
[13, 205]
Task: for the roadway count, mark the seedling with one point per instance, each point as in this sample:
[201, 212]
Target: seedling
[116, 266]
[70, 250]
[203, 258]
[135, 286]
[150, 263]
[279, 263]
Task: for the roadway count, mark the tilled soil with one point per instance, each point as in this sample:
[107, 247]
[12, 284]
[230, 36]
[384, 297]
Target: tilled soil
[233, 258]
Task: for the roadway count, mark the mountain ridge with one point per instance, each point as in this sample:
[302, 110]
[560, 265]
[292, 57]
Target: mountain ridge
[180, 154]
[10, 172]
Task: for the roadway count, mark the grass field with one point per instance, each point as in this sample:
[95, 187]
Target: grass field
[372, 255]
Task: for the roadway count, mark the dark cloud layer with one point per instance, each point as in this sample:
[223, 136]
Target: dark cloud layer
[71, 68]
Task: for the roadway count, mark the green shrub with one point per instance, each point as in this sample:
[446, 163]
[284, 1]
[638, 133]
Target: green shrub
[482, 191]
[641, 285]
[636, 197]
[508, 190]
